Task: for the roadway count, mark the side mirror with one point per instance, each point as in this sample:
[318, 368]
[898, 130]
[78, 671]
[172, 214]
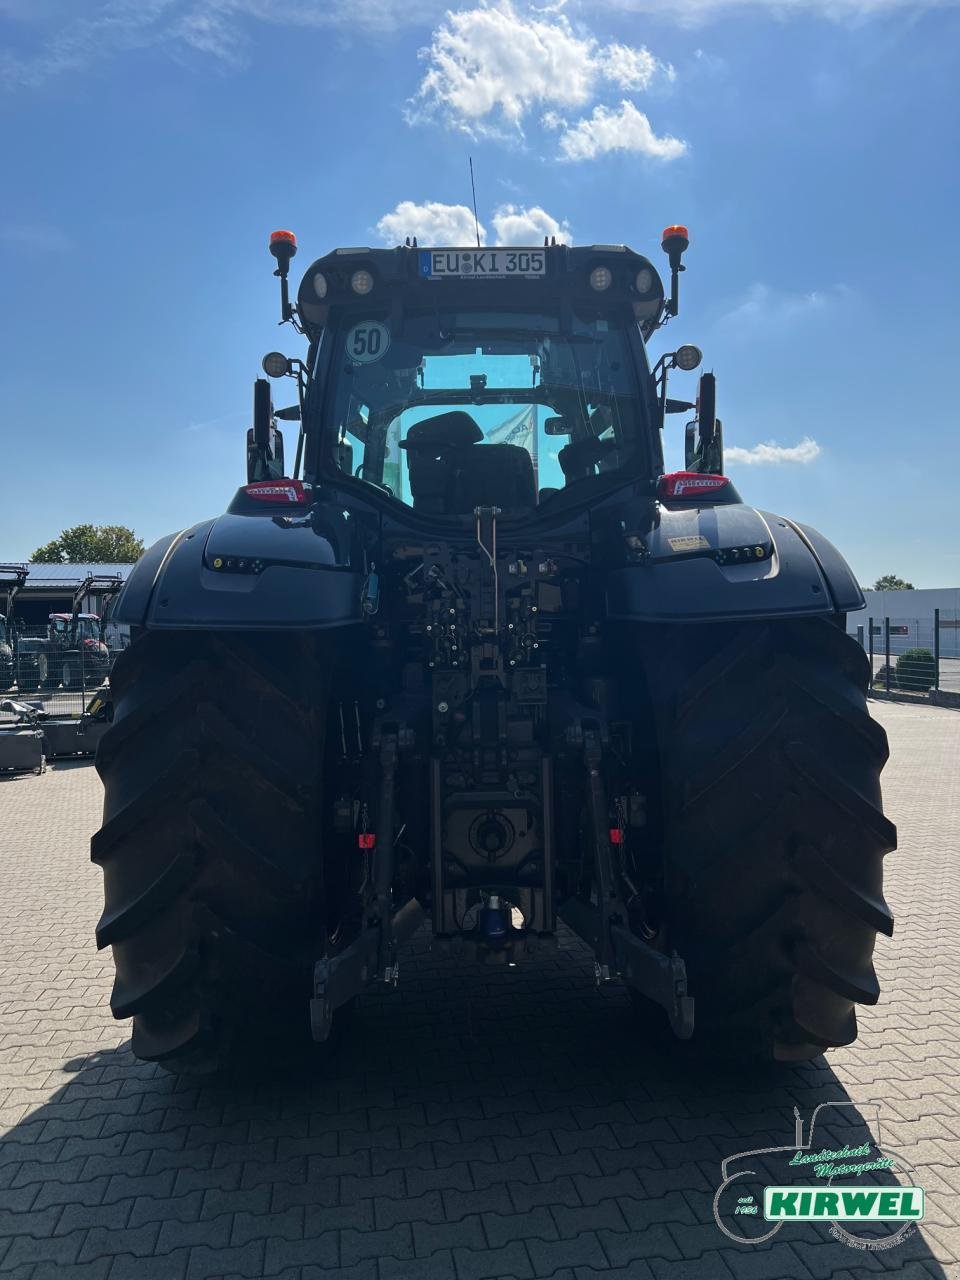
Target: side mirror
[703, 439]
[711, 432]
[262, 412]
[258, 436]
[707, 406]
[555, 427]
[264, 464]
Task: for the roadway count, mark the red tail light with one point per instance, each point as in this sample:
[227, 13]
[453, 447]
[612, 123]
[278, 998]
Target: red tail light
[690, 484]
[277, 491]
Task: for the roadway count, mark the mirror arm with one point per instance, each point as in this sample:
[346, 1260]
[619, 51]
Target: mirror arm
[659, 374]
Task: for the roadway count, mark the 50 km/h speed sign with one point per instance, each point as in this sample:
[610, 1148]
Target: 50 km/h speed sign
[367, 342]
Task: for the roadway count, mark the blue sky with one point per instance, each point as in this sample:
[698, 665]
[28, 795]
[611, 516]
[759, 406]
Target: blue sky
[151, 145]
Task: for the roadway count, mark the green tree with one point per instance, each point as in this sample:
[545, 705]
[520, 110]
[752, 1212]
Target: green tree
[91, 544]
[890, 582]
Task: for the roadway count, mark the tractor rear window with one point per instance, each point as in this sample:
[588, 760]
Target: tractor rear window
[461, 409]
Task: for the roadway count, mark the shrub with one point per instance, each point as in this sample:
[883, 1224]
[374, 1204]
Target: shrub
[916, 670]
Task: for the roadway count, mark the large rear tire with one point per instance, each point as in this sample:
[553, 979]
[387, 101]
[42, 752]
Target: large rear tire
[773, 833]
[45, 677]
[210, 844]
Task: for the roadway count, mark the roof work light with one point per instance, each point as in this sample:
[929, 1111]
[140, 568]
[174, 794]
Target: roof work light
[283, 246]
[675, 242]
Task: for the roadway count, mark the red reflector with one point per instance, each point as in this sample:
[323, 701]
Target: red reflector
[291, 491]
[690, 484]
[616, 835]
[366, 840]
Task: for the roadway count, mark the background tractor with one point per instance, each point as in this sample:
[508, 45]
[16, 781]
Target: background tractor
[479, 660]
[73, 653]
[12, 578]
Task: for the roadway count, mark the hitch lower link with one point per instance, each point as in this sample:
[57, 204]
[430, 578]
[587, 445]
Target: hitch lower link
[620, 953]
[659, 977]
[337, 979]
[373, 953]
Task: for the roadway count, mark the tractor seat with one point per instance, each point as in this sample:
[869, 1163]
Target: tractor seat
[434, 434]
[452, 472]
[427, 445]
[491, 475]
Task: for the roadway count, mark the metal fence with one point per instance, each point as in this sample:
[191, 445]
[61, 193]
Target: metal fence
[909, 654]
[914, 654]
[61, 674]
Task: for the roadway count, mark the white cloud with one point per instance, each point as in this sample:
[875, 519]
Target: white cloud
[197, 428]
[487, 67]
[35, 238]
[553, 120]
[631, 68]
[625, 129]
[545, 43]
[217, 29]
[514, 224]
[773, 454]
[115, 27]
[206, 31]
[432, 223]
[443, 225]
[764, 308]
[695, 12]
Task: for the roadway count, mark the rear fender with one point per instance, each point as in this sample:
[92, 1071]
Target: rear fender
[690, 562]
[258, 571]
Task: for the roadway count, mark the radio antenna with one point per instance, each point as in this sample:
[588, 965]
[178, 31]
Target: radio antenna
[473, 188]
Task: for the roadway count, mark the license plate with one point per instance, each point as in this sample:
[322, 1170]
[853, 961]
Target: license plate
[481, 264]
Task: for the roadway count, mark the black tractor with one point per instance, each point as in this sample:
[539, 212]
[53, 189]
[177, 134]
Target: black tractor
[12, 579]
[478, 660]
[73, 654]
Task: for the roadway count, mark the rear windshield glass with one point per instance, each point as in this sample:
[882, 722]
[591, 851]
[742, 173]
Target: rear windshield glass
[459, 409]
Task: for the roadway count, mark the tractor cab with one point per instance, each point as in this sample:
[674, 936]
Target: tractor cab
[12, 579]
[456, 379]
[75, 629]
[73, 654]
[80, 630]
[6, 655]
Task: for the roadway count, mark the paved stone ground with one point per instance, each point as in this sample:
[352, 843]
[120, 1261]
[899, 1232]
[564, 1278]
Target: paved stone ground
[477, 1124]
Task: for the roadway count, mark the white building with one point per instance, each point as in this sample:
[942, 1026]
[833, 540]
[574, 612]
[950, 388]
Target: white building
[911, 615]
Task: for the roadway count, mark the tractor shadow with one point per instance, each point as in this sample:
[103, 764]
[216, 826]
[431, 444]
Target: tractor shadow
[529, 1085]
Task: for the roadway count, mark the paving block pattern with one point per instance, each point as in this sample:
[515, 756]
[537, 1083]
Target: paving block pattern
[474, 1124]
